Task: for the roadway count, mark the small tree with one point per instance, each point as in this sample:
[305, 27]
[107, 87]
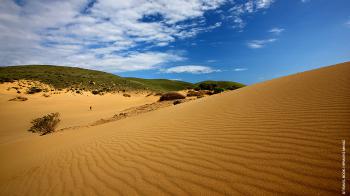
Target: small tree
[45, 124]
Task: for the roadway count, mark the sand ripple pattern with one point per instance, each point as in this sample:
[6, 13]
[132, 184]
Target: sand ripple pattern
[280, 137]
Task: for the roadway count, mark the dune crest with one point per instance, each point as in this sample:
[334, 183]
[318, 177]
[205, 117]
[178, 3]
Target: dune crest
[278, 137]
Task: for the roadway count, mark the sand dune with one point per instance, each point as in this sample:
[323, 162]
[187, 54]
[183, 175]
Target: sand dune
[15, 116]
[280, 137]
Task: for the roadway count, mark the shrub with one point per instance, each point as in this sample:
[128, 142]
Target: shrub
[2, 80]
[171, 96]
[95, 92]
[126, 95]
[207, 86]
[218, 90]
[45, 124]
[200, 96]
[177, 102]
[197, 88]
[232, 88]
[19, 98]
[46, 95]
[206, 92]
[194, 93]
[33, 90]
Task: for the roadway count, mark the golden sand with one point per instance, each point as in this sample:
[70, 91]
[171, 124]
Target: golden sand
[279, 137]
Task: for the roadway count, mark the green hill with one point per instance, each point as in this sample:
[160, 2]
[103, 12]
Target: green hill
[164, 84]
[61, 77]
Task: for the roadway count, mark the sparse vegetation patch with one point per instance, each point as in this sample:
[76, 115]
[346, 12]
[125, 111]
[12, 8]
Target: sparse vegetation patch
[45, 124]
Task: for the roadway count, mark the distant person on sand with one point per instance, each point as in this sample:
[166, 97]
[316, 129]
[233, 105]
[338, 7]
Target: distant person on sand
[90, 107]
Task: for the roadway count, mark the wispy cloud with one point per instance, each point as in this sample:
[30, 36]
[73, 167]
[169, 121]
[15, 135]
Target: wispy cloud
[276, 30]
[240, 69]
[239, 10]
[194, 69]
[255, 44]
[212, 61]
[305, 1]
[347, 23]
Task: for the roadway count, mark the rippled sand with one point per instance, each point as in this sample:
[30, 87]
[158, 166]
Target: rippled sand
[278, 137]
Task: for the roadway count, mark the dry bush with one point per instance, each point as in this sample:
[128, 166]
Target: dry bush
[45, 124]
[126, 95]
[171, 96]
[46, 95]
[95, 92]
[200, 96]
[177, 102]
[19, 98]
[194, 93]
[206, 92]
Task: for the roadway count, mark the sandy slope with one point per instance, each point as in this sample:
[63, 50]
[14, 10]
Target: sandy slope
[278, 137]
[74, 109]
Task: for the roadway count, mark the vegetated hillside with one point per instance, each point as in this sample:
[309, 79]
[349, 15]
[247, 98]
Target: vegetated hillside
[229, 85]
[164, 84]
[84, 79]
[62, 77]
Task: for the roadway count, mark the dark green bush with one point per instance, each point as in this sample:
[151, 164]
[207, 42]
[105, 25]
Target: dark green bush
[45, 124]
[2, 80]
[218, 90]
[232, 88]
[207, 86]
[33, 90]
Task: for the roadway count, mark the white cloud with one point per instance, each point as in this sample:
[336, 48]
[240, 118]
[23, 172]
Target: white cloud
[240, 69]
[276, 30]
[194, 69]
[305, 1]
[239, 10]
[260, 43]
[99, 35]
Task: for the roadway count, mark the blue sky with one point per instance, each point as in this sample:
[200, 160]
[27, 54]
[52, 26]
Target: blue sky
[192, 40]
